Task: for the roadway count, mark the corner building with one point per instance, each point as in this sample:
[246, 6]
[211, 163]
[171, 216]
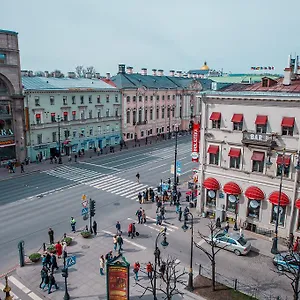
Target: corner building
[249, 138]
[12, 124]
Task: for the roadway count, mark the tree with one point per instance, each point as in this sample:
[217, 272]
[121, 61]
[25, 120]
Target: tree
[91, 70]
[213, 249]
[169, 281]
[80, 71]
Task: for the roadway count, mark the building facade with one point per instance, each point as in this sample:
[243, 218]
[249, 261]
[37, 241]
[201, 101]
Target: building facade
[157, 104]
[249, 147]
[85, 111]
[12, 125]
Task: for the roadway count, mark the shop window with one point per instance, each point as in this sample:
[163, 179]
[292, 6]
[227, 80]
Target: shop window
[253, 209]
[231, 203]
[211, 197]
[37, 101]
[90, 99]
[52, 101]
[65, 100]
[282, 211]
[73, 100]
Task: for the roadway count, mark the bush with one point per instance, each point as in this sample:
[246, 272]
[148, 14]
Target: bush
[85, 234]
[35, 257]
[51, 249]
[68, 240]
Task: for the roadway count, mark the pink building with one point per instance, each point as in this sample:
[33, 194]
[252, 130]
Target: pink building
[156, 104]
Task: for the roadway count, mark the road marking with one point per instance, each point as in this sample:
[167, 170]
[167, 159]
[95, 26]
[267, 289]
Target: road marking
[166, 171]
[163, 224]
[100, 166]
[2, 286]
[126, 240]
[19, 285]
[156, 167]
[34, 296]
[156, 229]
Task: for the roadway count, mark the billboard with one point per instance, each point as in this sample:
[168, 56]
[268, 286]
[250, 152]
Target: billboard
[195, 142]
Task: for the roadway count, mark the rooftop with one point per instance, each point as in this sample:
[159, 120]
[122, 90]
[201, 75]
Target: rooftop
[8, 32]
[50, 83]
[241, 78]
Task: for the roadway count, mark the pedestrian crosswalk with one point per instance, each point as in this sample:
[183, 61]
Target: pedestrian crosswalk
[108, 183]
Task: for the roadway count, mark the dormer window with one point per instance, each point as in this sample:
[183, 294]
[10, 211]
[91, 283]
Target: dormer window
[216, 120]
[265, 82]
[237, 121]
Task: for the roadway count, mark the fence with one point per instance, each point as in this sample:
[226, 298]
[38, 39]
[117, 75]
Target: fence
[233, 283]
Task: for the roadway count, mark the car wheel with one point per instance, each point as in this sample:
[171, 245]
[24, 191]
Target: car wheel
[280, 268]
[237, 252]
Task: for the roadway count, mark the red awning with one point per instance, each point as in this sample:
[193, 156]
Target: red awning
[284, 199]
[286, 160]
[258, 156]
[212, 149]
[254, 193]
[232, 188]
[211, 184]
[261, 120]
[237, 118]
[297, 204]
[234, 152]
[215, 116]
[288, 122]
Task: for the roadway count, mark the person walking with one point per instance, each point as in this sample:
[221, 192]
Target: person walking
[64, 249]
[73, 224]
[140, 197]
[44, 277]
[136, 268]
[22, 167]
[226, 228]
[52, 282]
[149, 269]
[162, 269]
[118, 227]
[291, 241]
[58, 248]
[180, 214]
[48, 260]
[139, 215]
[143, 220]
[51, 236]
[102, 264]
[115, 241]
[95, 227]
[138, 177]
[296, 246]
[157, 256]
[158, 206]
[53, 262]
[120, 242]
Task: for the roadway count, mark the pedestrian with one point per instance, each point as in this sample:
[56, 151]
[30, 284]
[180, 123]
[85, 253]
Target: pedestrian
[158, 219]
[144, 197]
[102, 264]
[51, 236]
[218, 222]
[120, 242]
[157, 256]
[139, 215]
[291, 241]
[44, 260]
[169, 183]
[179, 196]
[149, 269]
[226, 228]
[162, 213]
[158, 206]
[143, 216]
[95, 227]
[138, 177]
[58, 248]
[136, 268]
[53, 262]
[48, 260]
[162, 269]
[185, 213]
[241, 231]
[180, 214]
[133, 230]
[118, 227]
[115, 241]
[177, 207]
[51, 283]
[64, 250]
[73, 224]
[140, 197]
[75, 157]
[296, 246]
[109, 256]
[44, 277]
[22, 167]
[130, 228]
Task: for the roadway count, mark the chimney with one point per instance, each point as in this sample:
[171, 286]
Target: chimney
[160, 72]
[154, 72]
[172, 73]
[24, 73]
[129, 70]
[122, 68]
[144, 71]
[97, 75]
[189, 75]
[107, 75]
[30, 73]
[71, 74]
[88, 75]
[46, 74]
[179, 73]
[287, 73]
[296, 64]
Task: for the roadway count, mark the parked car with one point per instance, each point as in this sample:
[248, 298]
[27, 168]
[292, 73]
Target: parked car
[232, 242]
[286, 261]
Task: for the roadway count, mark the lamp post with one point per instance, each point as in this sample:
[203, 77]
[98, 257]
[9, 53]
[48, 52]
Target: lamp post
[169, 112]
[164, 243]
[175, 163]
[59, 140]
[190, 285]
[65, 275]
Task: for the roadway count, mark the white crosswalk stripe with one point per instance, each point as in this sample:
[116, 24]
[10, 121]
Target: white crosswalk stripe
[108, 183]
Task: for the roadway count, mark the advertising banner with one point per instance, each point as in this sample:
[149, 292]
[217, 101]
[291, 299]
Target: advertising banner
[195, 142]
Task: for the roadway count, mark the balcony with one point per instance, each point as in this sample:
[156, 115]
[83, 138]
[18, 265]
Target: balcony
[259, 139]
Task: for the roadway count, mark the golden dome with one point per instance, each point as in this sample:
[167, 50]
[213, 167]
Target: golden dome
[204, 67]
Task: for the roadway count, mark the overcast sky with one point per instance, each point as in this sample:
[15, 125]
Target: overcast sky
[167, 34]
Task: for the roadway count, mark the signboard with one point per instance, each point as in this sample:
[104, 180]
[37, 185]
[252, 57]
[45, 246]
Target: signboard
[83, 197]
[84, 203]
[84, 211]
[117, 277]
[178, 168]
[70, 261]
[195, 142]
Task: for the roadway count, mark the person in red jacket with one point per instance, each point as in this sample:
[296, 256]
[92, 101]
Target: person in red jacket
[296, 246]
[149, 269]
[131, 230]
[136, 268]
[58, 248]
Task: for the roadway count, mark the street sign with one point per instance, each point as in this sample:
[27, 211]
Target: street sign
[84, 211]
[83, 197]
[70, 261]
[172, 169]
[178, 167]
[84, 203]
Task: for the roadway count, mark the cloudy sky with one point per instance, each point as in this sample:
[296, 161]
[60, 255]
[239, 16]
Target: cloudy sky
[232, 35]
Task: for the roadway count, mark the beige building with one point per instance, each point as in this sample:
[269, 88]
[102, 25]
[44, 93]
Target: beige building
[249, 137]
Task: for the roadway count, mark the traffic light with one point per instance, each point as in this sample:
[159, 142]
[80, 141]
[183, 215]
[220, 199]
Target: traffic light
[64, 272]
[92, 207]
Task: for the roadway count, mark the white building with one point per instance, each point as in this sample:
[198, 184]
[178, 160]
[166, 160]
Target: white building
[244, 135]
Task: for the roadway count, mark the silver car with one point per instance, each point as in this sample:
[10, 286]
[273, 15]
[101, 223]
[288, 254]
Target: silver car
[232, 242]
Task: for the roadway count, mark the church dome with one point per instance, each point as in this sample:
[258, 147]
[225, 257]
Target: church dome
[204, 67]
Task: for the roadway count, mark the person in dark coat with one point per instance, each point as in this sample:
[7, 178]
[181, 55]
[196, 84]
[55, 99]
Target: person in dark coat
[44, 277]
[53, 262]
[52, 282]
[48, 260]
[218, 223]
[179, 214]
[51, 235]
[95, 227]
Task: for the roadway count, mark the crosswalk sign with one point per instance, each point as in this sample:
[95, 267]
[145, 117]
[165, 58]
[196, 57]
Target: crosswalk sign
[70, 261]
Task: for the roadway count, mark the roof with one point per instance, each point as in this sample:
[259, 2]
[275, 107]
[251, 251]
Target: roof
[8, 32]
[51, 83]
[198, 72]
[241, 78]
[235, 87]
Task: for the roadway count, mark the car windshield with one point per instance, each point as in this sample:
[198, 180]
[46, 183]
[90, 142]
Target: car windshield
[242, 241]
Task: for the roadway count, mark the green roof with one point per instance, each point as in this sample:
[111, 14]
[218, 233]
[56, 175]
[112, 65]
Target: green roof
[246, 78]
[8, 32]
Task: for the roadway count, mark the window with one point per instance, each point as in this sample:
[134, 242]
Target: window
[146, 98]
[180, 112]
[258, 161]
[216, 120]
[66, 134]
[90, 114]
[169, 97]
[146, 114]
[140, 98]
[216, 124]
[90, 99]
[238, 126]
[117, 112]
[253, 209]
[213, 154]
[287, 126]
[173, 112]
[54, 139]
[265, 82]
[140, 115]
[37, 101]
[74, 133]
[99, 130]
[65, 100]
[231, 203]
[162, 112]
[151, 113]
[261, 123]
[151, 98]
[142, 133]
[288, 131]
[65, 116]
[99, 113]
[98, 99]
[163, 129]
[283, 163]
[168, 112]
[211, 198]
[2, 58]
[74, 115]
[282, 211]
[134, 98]
[38, 118]
[107, 128]
[163, 97]
[52, 102]
[81, 99]
[157, 113]
[82, 115]
[116, 98]
[134, 117]
[128, 99]
[73, 100]
[261, 128]
[157, 97]
[39, 139]
[173, 97]
[82, 134]
[234, 154]
[53, 117]
[107, 112]
[91, 131]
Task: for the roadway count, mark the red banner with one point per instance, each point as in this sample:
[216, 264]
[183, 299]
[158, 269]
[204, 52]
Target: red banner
[118, 286]
[195, 142]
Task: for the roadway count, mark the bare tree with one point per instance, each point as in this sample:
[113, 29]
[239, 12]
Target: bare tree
[80, 71]
[288, 264]
[91, 70]
[169, 280]
[213, 249]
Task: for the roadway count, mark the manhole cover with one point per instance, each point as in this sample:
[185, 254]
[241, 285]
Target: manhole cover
[116, 203]
[85, 247]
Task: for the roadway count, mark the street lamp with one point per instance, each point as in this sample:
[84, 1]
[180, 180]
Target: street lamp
[65, 274]
[190, 285]
[175, 163]
[59, 141]
[165, 244]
